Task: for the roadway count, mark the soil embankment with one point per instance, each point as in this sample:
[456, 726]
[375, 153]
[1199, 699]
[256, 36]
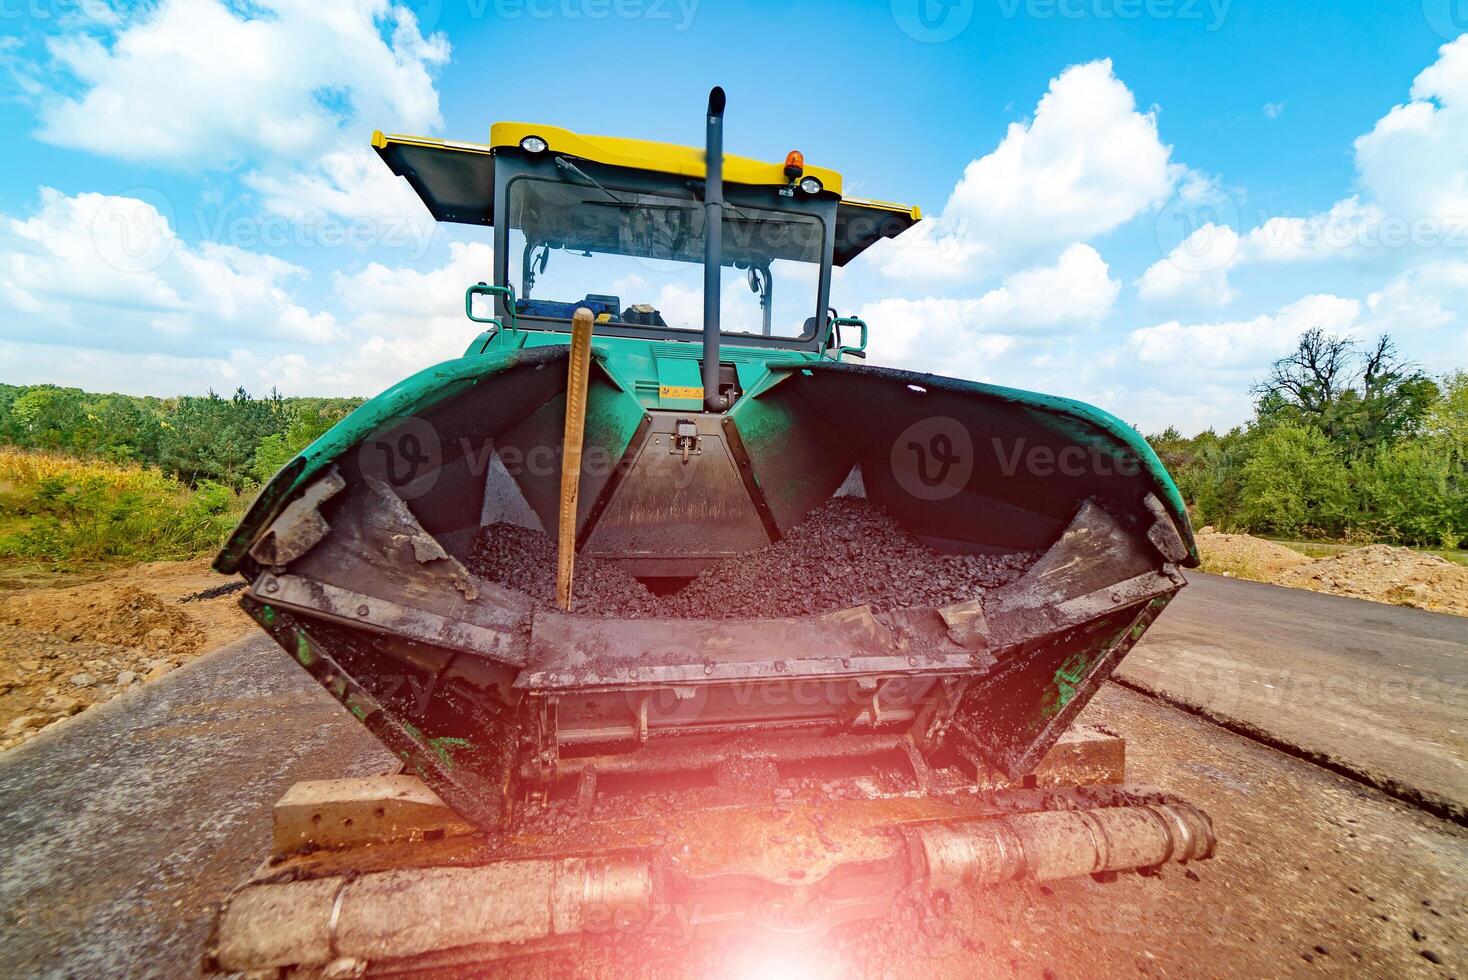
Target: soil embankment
[63, 650]
[1378, 572]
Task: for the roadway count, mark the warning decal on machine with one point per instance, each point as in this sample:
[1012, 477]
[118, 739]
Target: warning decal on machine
[680, 391]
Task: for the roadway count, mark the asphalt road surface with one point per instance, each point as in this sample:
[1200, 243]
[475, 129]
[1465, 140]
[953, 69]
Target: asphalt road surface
[1379, 691]
[122, 828]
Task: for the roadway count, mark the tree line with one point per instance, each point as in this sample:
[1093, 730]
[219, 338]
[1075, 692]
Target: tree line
[235, 441]
[1348, 441]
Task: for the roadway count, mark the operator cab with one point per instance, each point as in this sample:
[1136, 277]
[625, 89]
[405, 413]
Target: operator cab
[618, 226]
[631, 247]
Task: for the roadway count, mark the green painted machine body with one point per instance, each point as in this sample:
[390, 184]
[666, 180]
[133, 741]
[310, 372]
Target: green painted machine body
[635, 372]
[359, 552]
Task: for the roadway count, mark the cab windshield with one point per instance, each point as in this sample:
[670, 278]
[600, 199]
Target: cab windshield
[636, 258]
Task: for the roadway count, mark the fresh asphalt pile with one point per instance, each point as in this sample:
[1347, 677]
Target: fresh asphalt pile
[847, 552]
[524, 559]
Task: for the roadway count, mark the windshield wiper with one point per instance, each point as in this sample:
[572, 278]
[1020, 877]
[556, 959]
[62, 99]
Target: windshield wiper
[639, 206]
[696, 187]
[571, 168]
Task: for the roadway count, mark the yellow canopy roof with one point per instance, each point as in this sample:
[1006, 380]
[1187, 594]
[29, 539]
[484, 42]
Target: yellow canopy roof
[455, 179]
[662, 158]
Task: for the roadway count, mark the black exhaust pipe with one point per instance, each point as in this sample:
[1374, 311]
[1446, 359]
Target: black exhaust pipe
[713, 245]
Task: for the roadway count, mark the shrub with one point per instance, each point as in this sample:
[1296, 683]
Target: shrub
[275, 450]
[1410, 494]
[1294, 483]
[70, 511]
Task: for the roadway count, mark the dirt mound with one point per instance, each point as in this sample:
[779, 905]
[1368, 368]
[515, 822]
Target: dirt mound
[45, 678]
[847, 552]
[1245, 556]
[119, 615]
[63, 649]
[1386, 574]
[1378, 572]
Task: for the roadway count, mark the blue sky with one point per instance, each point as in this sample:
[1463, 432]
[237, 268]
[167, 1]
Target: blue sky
[1135, 202]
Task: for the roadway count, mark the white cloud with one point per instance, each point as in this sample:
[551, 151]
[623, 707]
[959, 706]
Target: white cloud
[1414, 162]
[959, 337]
[398, 300]
[1197, 269]
[129, 372]
[1196, 272]
[22, 74]
[1426, 298]
[1347, 230]
[1273, 110]
[1413, 171]
[90, 310]
[1194, 375]
[350, 182]
[402, 320]
[198, 83]
[1087, 163]
[1202, 348]
[110, 272]
[1076, 290]
[1152, 409]
[206, 85]
[935, 335]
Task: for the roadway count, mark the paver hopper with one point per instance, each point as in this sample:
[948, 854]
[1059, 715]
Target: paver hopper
[723, 404]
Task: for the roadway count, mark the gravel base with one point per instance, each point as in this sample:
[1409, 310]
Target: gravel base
[847, 552]
[46, 678]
